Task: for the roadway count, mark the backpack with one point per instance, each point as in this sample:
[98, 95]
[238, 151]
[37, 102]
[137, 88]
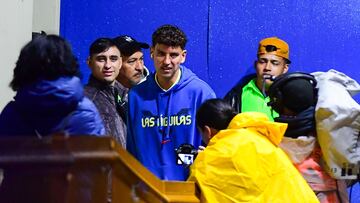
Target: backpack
[337, 117]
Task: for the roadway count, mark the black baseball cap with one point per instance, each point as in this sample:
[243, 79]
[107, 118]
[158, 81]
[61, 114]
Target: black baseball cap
[128, 45]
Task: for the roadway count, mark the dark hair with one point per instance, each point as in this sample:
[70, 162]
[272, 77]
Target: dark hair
[45, 57]
[169, 35]
[100, 45]
[215, 113]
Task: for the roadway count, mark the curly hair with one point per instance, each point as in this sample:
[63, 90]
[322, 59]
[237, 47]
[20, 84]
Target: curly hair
[45, 57]
[215, 113]
[169, 35]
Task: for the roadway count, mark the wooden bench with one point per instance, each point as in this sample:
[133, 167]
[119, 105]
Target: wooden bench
[76, 169]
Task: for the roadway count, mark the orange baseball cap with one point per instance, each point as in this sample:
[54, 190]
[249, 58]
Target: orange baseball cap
[274, 46]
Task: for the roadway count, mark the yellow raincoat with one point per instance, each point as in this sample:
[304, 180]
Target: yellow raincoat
[244, 164]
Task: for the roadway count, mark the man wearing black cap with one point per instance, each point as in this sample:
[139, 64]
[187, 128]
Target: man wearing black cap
[133, 70]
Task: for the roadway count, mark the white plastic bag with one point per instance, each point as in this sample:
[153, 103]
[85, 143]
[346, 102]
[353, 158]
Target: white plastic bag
[298, 149]
[338, 123]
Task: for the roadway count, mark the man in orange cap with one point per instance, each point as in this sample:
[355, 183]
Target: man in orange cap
[250, 94]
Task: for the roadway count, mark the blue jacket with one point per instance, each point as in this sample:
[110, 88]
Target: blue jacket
[159, 122]
[47, 107]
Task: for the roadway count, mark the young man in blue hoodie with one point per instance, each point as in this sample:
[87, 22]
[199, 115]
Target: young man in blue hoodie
[162, 109]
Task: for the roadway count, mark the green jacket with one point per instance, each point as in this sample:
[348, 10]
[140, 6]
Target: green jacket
[246, 97]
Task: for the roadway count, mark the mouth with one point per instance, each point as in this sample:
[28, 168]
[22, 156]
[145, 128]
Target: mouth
[108, 73]
[137, 75]
[166, 69]
[268, 77]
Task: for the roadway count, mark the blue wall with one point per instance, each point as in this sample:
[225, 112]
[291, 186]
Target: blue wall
[223, 35]
[82, 21]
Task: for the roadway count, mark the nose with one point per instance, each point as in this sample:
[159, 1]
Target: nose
[167, 59]
[138, 66]
[107, 64]
[268, 66]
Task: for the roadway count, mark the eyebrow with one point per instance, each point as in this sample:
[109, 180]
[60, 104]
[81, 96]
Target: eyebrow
[133, 57]
[270, 59]
[104, 56]
[100, 56]
[160, 51]
[171, 53]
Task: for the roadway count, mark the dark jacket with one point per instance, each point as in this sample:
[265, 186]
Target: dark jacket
[105, 98]
[50, 106]
[233, 97]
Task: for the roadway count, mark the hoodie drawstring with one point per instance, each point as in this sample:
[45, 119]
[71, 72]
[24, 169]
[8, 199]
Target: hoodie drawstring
[164, 128]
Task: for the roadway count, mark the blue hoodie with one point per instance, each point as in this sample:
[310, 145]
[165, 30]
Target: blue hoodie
[159, 122]
[50, 106]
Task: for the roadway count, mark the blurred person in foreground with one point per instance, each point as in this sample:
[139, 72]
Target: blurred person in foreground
[242, 161]
[49, 95]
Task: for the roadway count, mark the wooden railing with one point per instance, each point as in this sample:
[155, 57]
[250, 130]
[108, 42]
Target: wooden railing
[80, 169]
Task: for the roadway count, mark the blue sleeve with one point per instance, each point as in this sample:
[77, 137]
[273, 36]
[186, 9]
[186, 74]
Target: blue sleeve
[85, 120]
[8, 123]
[210, 95]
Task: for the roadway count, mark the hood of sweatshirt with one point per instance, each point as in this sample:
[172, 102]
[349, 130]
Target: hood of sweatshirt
[46, 102]
[164, 99]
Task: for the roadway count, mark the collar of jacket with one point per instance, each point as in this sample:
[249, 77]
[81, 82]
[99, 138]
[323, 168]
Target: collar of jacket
[93, 82]
[252, 87]
[260, 123]
[300, 125]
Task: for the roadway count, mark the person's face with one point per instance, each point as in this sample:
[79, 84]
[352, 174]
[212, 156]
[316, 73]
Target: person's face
[132, 69]
[105, 66]
[269, 64]
[167, 60]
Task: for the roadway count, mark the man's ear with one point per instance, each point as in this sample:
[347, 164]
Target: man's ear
[88, 62]
[213, 132]
[209, 132]
[152, 52]
[286, 68]
[206, 134]
[183, 56]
